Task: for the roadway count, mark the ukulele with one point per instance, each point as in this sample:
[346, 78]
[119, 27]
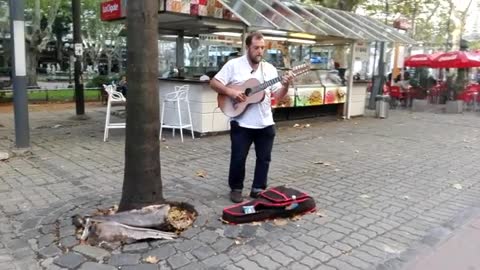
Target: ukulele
[254, 91]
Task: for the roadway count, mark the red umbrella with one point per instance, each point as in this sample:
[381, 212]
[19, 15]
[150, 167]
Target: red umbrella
[420, 60]
[456, 59]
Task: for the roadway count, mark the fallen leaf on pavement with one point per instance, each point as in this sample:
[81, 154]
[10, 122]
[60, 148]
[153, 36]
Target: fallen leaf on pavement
[296, 125]
[202, 173]
[280, 222]
[151, 259]
[457, 186]
[256, 223]
[296, 218]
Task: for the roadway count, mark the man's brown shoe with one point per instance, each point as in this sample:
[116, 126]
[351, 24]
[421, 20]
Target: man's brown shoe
[236, 196]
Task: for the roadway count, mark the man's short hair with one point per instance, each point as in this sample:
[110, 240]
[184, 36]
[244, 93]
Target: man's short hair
[251, 36]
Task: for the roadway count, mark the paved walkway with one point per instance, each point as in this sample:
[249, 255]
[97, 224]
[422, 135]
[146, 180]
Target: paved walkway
[459, 251]
[386, 191]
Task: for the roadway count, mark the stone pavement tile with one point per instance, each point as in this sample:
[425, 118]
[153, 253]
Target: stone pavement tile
[247, 264]
[124, 259]
[70, 260]
[141, 267]
[93, 252]
[96, 266]
[265, 262]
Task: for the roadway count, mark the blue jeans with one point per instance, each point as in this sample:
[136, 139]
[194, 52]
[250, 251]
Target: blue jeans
[242, 138]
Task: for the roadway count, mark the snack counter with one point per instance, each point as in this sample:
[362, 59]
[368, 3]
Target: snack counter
[317, 87]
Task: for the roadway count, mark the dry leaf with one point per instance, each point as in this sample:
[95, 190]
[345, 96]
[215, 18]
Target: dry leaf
[202, 173]
[224, 221]
[296, 125]
[457, 186]
[296, 218]
[256, 223]
[151, 259]
[280, 222]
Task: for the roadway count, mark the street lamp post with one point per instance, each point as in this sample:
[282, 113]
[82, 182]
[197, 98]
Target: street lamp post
[78, 51]
[19, 74]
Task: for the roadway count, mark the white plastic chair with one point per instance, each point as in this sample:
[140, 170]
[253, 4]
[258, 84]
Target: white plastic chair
[113, 96]
[176, 98]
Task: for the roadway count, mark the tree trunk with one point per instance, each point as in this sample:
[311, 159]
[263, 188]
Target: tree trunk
[32, 63]
[109, 65]
[142, 183]
[120, 65]
[59, 50]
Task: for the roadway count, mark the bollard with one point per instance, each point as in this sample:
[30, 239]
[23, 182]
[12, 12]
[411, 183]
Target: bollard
[382, 103]
[475, 96]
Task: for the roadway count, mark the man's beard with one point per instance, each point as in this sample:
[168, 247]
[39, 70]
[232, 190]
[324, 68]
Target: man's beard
[254, 59]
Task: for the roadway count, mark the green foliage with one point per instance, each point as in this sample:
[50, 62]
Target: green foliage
[347, 5]
[56, 95]
[100, 80]
[429, 18]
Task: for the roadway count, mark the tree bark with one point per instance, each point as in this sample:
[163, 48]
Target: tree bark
[32, 62]
[59, 49]
[109, 65]
[142, 184]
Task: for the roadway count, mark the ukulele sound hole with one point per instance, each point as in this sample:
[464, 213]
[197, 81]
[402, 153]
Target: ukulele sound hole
[248, 91]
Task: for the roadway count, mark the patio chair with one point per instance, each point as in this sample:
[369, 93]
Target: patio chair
[177, 97]
[113, 97]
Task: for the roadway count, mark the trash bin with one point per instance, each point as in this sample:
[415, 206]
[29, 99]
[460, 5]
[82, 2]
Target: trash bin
[382, 105]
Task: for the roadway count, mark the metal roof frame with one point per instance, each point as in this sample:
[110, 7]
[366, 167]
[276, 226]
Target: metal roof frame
[322, 22]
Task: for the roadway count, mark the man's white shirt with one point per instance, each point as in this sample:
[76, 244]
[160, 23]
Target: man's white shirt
[236, 72]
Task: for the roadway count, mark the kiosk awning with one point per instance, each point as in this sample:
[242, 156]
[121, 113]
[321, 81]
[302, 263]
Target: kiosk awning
[292, 16]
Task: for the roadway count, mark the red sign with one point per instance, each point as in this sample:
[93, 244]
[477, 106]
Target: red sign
[111, 10]
[402, 23]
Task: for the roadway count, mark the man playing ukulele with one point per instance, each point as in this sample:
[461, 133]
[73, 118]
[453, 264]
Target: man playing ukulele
[255, 124]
